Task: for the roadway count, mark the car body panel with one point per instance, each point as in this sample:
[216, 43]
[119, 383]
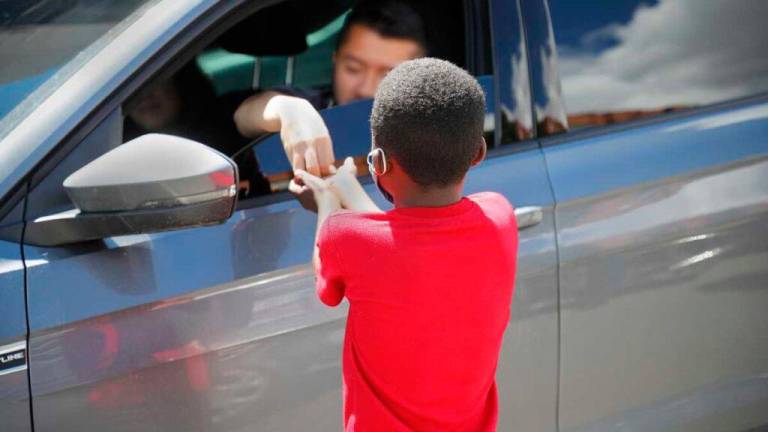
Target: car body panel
[217, 325]
[527, 369]
[663, 261]
[14, 378]
[220, 325]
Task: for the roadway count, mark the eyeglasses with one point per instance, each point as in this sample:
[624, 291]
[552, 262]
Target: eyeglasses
[377, 162]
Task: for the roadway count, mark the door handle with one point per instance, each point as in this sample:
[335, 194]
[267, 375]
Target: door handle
[528, 217]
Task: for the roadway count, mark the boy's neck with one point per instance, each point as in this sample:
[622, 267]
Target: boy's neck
[432, 197]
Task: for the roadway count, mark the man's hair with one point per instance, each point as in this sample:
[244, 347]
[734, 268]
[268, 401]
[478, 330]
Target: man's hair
[389, 18]
[428, 115]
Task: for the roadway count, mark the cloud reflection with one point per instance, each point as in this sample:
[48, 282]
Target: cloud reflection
[672, 54]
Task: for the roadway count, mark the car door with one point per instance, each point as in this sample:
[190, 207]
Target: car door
[661, 206]
[217, 328]
[212, 328]
[527, 370]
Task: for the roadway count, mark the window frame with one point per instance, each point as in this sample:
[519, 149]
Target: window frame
[598, 131]
[499, 147]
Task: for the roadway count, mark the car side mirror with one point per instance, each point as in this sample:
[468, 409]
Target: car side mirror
[152, 183]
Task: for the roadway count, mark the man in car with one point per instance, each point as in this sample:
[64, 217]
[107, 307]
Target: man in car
[377, 36]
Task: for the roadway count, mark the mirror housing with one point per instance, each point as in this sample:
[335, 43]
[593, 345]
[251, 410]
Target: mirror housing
[152, 183]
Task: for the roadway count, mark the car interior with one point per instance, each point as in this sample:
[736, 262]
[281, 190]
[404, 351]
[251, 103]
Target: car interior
[289, 44]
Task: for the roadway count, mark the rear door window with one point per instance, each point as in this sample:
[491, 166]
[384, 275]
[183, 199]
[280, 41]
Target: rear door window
[625, 60]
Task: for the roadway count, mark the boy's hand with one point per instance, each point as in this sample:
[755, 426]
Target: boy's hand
[324, 198]
[350, 192]
[327, 203]
[303, 193]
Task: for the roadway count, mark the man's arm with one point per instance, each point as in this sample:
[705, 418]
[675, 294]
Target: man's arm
[250, 117]
[305, 137]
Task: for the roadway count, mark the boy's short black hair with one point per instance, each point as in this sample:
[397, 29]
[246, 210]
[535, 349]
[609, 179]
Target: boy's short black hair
[428, 115]
[389, 18]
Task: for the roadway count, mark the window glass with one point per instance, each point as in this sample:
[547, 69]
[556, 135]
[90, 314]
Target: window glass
[622, 60]
[42, 42]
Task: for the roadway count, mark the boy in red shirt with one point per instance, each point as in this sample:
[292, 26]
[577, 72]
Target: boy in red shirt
[430, 282]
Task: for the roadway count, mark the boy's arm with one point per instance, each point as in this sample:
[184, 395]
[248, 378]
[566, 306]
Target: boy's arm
[330, 284]
[350, 192]
[327, 203]
[346, 187]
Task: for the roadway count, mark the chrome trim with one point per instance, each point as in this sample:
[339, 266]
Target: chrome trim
[5, 349]
[228, 192]
[528, 217]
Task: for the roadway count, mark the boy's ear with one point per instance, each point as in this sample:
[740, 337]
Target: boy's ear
[392, 165]
[480, 152]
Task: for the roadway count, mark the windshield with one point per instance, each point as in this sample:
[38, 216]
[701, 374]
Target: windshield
[39, 37]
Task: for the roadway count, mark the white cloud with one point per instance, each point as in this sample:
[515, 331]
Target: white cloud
[678, 52]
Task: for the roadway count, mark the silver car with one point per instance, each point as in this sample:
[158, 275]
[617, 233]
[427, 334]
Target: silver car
[143, 288]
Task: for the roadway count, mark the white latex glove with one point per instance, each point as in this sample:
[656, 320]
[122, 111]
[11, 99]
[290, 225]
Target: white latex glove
[305, 137]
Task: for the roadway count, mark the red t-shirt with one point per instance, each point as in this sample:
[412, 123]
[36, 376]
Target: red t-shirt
[429, 291]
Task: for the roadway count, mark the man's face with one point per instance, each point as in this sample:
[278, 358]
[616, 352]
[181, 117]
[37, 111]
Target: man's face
[159, 108]
[363, 60]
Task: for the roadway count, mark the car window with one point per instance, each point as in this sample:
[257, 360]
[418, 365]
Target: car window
[625, 60]
[266, 51]
[42, 42]
[203, 89]
[198, 101]
[348, 124]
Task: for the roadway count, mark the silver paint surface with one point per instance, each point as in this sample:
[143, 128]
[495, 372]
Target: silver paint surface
[527, 370]
[663, 254]
[218, 328]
